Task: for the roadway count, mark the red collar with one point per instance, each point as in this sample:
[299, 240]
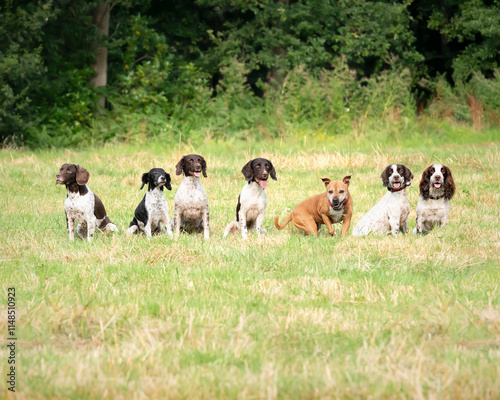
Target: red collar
[343, 205]
[397, 190]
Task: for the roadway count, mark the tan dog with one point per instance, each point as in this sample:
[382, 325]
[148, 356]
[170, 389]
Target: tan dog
[327, 208]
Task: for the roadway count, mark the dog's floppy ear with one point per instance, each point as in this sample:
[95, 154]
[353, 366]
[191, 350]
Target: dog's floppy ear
[273, 171]
[203, 167]
[145, 179]
[347, 179]
[167, 184]
[449, 184]
[425, 183]
[385, 176]
[180, 166]
[82, 175]
[247, 171]
[326, 181]
[407, 174]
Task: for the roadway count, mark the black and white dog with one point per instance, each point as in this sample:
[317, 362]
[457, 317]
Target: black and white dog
[252, 201]
[191, 212]
[81, 205]
[152, 211]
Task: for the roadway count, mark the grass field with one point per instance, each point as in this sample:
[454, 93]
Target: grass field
[281, 316]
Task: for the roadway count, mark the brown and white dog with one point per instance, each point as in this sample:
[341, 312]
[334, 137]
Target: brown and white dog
[81, 205]
[436, 190]
[252, 201]
[328, 208]
[191, 212]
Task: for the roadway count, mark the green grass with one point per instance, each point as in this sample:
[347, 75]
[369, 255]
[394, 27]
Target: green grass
[282, 316]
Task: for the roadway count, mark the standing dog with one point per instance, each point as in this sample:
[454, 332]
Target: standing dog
[81, 205]
[390, 214]
[252, 201]
[436, 190]
[328, 208]
[191, 203]
[153, 209]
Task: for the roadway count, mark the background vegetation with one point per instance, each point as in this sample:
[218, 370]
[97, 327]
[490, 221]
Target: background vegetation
[236, 69]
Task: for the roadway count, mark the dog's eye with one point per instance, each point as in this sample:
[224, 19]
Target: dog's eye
[258, 165]
[341, 191]
[330, 191]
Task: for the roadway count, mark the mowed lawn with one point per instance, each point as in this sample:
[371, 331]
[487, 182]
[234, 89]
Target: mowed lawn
[280, 316]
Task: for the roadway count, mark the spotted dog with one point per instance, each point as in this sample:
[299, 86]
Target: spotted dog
[252, 201]
[81, 205]
[152, 211]
[390, 214]
[191, 212]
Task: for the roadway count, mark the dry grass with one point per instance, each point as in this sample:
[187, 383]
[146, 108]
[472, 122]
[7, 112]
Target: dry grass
[281, 316]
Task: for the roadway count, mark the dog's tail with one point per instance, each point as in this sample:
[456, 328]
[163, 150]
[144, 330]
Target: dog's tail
[232, 229]
[280, 227]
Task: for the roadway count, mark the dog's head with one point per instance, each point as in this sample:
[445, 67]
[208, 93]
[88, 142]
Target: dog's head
[157, 177]
[437, 181]
[337, 192]
[396, 177]
[71, 173]
[258, 170]
[192, 165]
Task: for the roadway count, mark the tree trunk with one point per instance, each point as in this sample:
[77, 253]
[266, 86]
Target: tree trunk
[100, 19]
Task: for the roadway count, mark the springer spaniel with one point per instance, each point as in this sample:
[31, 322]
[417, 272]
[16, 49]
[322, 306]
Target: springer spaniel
[390, 214]
[81, 205]
[153, 209]
[436, 190]
[191, 212]
[252, 201]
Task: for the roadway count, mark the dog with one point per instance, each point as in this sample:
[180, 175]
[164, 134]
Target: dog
[390, 214]
[252, 201]
[328, 208]
[436, 190]
[152, 211]
[191, 213]
[81, 205]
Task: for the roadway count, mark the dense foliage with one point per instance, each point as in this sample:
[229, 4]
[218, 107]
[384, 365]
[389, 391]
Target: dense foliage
[234, 67]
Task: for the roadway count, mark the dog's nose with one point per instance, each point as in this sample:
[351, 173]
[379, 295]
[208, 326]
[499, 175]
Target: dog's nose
[264, 174]
[335, 199]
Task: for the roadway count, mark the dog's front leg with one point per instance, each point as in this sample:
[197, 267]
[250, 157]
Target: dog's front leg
[394, 224]
[167, 224]
[147, 230]
[419, 226]
[258, 224]
[328, 224]
[71, 227]
[91, 224]
[345, 225]
[206, 227]
[177, 221]
[243, 223]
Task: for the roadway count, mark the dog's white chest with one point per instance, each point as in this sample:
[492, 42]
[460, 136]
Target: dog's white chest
[191, 198]
[253, 200]
[78, 207]
[156, 206]
[336, 215]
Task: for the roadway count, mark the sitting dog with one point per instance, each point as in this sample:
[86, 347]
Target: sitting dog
[81, 205]
[328, 208]
[191, 203]
[436, 190]
[252, 201]
[152, 211]
[390, 214]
